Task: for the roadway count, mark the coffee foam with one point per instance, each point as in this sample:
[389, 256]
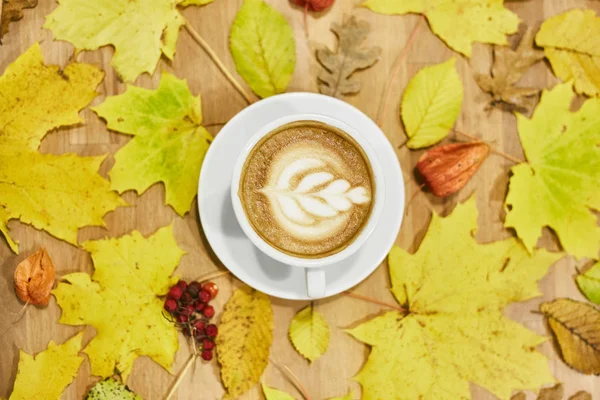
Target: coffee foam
[307, 189]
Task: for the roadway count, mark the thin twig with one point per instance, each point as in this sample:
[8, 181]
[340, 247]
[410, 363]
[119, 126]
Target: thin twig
[396, 69]
[372, 300]
[306, 18]
[21, 313]
[417, 191]
[196, 36]
[293, 378]
[214, 124]
[492, 148]
[211, 275]
[180, 376]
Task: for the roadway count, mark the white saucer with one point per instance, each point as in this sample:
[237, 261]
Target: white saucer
[225, 235]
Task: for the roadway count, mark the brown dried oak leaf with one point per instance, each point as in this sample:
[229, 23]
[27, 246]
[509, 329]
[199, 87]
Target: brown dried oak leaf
[447, 169]
[34, 278]
[576, 326]
[335, 78]
[508, 67]
[12, 10]
[554, 393]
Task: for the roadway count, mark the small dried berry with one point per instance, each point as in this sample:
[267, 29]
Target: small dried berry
[199, 325]
[175, 293]
[186, 298]
[170, 305]
[204, 296]
[182, 285]
[211, 288]
[198, 305]
[182, 319]
[208, 311]
[194, 288]
[212, 330]
[187, 310]
[208, 344]
[207, 355]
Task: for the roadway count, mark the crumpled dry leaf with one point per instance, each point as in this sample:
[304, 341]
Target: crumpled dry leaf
[12, 10]
[508, 67]
[446, 169]
[554, 393]
[576, 326]
[34, 278]
[336, 77]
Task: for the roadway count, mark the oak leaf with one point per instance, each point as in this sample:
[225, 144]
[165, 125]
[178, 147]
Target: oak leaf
[274, 394]
[34, 278]
[576, 326]
[447, 169]
[55, 193]
[169, 143]
[558, 186]
[431, 103]
[111, 389]
[121, 300]
[244, 341]
[453, 331]
[459, 23]
[140, 31]
[554, 393]
[589, 283]
[508, 67]
[46, 375]
[350, 56]
[571, 41]
[309, 333]
[12, 10]
[263, 48]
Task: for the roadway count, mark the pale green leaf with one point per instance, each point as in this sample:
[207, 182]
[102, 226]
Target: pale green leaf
[263, 48]
[431, 104]
[274, 394]
[111, 389]
[309, 333]
[349, 396]
[589, 283]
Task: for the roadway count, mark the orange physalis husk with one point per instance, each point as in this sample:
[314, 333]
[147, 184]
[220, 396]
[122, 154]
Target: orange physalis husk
[34, 278]
[446, 169]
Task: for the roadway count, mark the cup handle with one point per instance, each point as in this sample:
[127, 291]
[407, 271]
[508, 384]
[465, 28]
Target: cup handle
[315, 283]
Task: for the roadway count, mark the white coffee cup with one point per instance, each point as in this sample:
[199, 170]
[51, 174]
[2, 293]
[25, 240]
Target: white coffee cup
[315, 275]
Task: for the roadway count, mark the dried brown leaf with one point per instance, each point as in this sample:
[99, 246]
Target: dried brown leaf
[508, 67]
[555, 392]
[581, 395]
[336, 77]
[446, 169]
[12, 10]
[34, 278]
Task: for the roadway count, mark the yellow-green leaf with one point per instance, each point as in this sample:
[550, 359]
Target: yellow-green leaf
[309, 333]
[454, 331]
[589, 283]
[459, 23]
[46, 375]
[571, 41]
[169, 143]
[263, 48]
[431, 104]
[274, 394]
[111, 389]
[56, 193]
[244, 341]
[121, 300]
[349, 396]
[558, 186]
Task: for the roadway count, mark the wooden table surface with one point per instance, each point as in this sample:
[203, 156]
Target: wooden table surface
[330, 375]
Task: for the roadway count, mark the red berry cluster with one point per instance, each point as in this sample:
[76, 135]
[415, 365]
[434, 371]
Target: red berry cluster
[188, 304]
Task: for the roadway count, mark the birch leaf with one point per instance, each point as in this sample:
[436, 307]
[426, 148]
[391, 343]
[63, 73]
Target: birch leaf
[274, 394]
[589, 283]
[454, 332]
[558, 186]
[169, 143]
[431, 104]
[263, 48]
[309, 333]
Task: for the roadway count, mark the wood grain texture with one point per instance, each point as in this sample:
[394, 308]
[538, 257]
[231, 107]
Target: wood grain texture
[330, 375]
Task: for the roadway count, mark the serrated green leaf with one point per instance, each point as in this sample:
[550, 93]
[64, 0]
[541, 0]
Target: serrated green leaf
[589, 283]
[274, 394]
[111, 389]
[431, 103]
[263, 48]
[309, 333]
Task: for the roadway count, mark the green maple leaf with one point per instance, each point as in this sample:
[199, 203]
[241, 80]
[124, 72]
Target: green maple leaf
[169, 142]
[454, 332]
[558, 186]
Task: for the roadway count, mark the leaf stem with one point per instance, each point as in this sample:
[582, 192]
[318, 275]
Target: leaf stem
[196, 36]
[180, 376]
[292, 377]
[396, 69]
[211, 275]
[492, 148]
[372, 300]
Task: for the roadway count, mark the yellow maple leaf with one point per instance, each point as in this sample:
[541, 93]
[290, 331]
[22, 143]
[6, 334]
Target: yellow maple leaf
[459, 23]
[453, 331]
[571, 41]
[169, 142]
[244, 341]
[431, 103]
[121, 300]
[45, 376]
[140, 31]
[309, 333]
[58, 194]
[558, 186]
